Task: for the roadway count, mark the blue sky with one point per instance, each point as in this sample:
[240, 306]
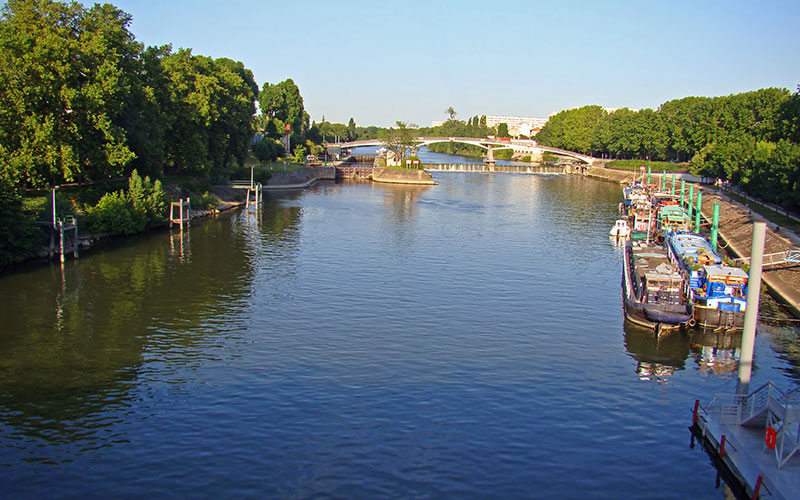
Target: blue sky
[382, 61]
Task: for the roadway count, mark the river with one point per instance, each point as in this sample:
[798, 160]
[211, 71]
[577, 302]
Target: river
[464, 340]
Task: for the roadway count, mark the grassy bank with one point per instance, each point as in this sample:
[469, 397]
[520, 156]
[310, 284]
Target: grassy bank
[655, 166]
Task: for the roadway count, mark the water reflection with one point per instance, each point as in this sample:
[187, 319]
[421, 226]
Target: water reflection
[76, 338]
[716, 353]
[658, 358]
[180, 245]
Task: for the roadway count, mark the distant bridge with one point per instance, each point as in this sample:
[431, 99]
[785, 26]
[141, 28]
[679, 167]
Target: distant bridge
[519, 146]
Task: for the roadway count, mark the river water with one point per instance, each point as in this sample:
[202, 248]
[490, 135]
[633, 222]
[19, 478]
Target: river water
[464, 340]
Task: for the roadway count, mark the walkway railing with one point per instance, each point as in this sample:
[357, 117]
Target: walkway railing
[769, 406]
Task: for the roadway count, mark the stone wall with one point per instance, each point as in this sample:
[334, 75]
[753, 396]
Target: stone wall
[396, 176]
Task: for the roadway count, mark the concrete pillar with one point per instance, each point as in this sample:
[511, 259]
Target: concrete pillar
[751, 314]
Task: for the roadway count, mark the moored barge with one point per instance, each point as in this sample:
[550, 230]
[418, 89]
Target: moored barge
[653, 290]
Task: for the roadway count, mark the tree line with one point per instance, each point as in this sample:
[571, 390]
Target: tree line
[751, 139]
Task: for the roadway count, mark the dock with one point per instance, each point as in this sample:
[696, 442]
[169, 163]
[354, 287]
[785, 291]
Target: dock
[753, 440]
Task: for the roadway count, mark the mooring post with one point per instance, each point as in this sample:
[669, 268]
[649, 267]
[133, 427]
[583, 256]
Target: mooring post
[715, 227]
[683, 185]
[691, 201]
[751, 313]
[61, 243]
[648, 175]
[672, 191]
[697, 214]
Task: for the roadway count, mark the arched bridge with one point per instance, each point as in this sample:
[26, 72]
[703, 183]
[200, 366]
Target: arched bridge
[519, 146]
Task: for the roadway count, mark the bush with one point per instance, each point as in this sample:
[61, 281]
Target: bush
[267, 150]
[205, 202]
[20, 235]
[143, 206]
[113, 214]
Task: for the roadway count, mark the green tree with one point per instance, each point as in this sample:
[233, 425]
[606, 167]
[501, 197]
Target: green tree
[299, 153]
[351, 130]
[451, 113]
[65, 74]
[572, 129]
[267, 150]
[212, 103]
[399, 140]
[502, 130]
[19, 233]
[283, 101]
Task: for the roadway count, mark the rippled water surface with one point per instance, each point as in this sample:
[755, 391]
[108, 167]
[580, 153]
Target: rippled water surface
[358, 341]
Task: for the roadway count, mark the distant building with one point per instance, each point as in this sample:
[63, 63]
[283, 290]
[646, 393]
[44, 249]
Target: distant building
[517, 125]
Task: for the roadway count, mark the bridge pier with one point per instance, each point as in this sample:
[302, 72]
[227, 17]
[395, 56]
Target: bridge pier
[489, 160]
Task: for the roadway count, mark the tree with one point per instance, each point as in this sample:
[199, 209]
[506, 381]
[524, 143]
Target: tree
[65, 74]
[266, 150]
[502, 130]
[19, 233]
[399, 140]
[451, 113]
[573, 129]
[283, 101]
[299, 152]
[213, 105]
[351, 130]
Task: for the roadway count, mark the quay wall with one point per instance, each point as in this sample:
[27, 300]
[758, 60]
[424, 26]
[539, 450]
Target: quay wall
[395, 176]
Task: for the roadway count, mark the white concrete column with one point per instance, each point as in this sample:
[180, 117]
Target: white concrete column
[751, 314]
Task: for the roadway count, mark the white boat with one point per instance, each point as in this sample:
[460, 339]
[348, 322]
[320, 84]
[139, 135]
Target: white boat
[621, 229]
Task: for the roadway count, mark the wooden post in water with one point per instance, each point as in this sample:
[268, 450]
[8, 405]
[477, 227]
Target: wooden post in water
[673, 185]
[751, 314]
[697, 214]
[691, 200]
[683, 186]
[715, 227]
[648, 175]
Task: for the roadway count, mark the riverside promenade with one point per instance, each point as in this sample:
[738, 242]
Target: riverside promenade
[736, 230]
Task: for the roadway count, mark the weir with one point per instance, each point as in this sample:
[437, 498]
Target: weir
[478, 167]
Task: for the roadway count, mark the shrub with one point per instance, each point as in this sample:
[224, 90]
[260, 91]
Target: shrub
[20, 236]
[205, 202]
[143, 206]
[113, 214]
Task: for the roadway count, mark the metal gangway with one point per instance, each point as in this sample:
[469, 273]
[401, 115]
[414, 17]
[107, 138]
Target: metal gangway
[775, 259]
[769, 407]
